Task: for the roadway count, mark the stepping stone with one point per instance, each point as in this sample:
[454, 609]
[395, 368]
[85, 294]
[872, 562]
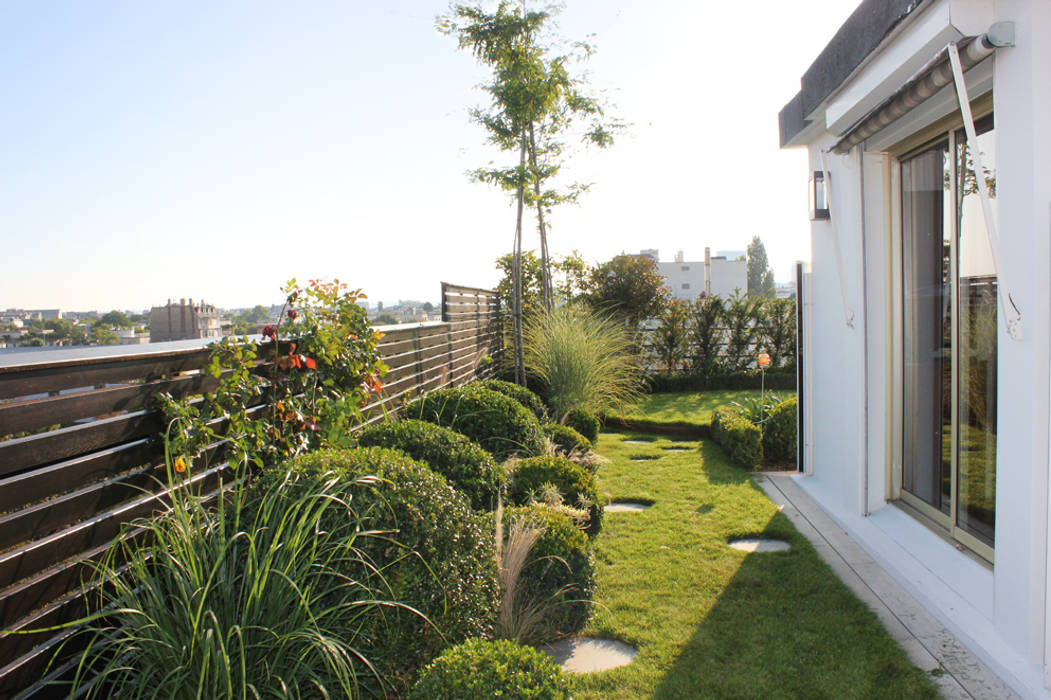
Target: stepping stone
[636, 442]
[626, 507]
[676, 449]
[643, 458]
[758, 545]
[590, 654]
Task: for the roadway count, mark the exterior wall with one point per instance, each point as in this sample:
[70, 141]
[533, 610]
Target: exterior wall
[728, 276]
[684, 279]
[183, 322]
[853, 448]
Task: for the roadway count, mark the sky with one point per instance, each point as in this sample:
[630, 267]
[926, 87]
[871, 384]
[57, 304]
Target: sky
[215, 150]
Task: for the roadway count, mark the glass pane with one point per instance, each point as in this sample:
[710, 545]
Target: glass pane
[927, 276]
[976, 511]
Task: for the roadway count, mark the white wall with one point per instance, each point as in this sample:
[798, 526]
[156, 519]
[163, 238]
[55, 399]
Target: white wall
[679, 273]
[728, 276]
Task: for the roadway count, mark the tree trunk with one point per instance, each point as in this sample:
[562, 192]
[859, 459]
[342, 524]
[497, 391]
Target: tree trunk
[516, 271]
[545, 261]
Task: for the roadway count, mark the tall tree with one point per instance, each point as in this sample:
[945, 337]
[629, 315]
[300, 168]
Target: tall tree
[629, 286]
[535, 101]
[760, 276]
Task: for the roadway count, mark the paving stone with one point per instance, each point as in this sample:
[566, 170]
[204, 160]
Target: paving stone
[626, 507]
[590, 654]
[758, 545]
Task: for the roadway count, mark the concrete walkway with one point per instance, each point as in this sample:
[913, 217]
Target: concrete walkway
[932, 648]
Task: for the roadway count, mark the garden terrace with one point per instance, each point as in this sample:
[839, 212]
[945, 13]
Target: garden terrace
[82, 454]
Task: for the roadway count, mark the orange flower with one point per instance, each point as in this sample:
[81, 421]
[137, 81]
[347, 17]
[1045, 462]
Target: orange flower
[179, 464]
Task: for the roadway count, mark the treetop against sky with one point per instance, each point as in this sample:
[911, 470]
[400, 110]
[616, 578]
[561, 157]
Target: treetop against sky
[214, 150]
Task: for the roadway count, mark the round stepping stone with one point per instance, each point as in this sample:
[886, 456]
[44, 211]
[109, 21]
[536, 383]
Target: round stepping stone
[636, 442]
[590, 654]
[626, 507]
[758, 545]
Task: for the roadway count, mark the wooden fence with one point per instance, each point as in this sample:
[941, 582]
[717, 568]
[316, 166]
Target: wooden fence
[92, 459]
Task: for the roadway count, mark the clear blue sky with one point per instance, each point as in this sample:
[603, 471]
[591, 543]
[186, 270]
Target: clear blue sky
[213, 150]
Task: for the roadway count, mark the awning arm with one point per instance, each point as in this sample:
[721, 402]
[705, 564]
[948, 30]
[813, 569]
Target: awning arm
[1012, 315]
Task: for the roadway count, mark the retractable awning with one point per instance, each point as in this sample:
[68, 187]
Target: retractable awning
[936, 75]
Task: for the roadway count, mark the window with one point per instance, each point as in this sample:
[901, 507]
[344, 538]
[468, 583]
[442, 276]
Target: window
[686, 285]
[949, 333]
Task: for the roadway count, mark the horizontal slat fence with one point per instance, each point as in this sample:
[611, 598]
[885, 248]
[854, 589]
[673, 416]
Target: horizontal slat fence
[90, 458]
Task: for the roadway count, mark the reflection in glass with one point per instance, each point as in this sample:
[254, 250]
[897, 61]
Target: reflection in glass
[976, 511]
[927, 277]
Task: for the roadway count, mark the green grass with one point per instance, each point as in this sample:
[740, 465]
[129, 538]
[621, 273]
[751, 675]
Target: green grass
[712, 622]
[688, 408]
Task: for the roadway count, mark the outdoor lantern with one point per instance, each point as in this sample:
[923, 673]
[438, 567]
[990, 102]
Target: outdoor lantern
[764, 360]
[818, 196]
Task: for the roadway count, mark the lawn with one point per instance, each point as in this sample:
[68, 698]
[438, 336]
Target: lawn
[712, 622]
[688, 408]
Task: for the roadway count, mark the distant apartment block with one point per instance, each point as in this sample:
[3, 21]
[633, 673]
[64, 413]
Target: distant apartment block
[184, 321]
[29, 314]
[688, 279]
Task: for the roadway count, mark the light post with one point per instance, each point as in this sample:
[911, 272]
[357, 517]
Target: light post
[763, 362]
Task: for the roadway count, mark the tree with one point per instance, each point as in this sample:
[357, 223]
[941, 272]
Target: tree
[103, 334]
[427, 306]
[385, 319]
[630, 287]
[535, 101]
[117, 319]
[760, 276]
[668, 341]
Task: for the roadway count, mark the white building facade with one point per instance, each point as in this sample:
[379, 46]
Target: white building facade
[689, 279]
[926, 315]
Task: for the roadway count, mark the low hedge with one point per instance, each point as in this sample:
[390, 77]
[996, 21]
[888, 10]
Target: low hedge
[445, 567]
[779, 431]
[742, 439]
[582, 421]
[560, 570]
[467, 466]
[520, 394]
[492, 669]
[566, 439]
[497, 422]
[571, 480]
[782, 378]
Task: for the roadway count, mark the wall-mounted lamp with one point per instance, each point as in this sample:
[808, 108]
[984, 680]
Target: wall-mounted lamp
[818, 196]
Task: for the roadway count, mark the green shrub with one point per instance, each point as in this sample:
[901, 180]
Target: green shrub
[248, 592]
[779, 431]
[467, 466]
[559, 576]
[566, 439]
[446, 567]
[575, 483]
[520, 394]
[582, 421]
[498, 423]
[498, 669]
[742, 439]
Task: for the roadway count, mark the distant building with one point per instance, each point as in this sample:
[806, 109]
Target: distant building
[184, 321]
[128, 336]
[689, 279]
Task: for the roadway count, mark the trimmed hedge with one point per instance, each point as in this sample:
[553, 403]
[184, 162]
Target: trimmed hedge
[566, 439]
[742, 440]
[561, 569]
[779, 431]
[571, 480]
[498, 423]
[520, 394]
[467, 466]
[782, 378]
[446, 567]
[582, 421]
[492, 669]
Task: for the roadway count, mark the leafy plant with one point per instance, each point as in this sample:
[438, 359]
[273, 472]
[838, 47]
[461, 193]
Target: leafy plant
[520, 394]
[583, 359]
[705, 335]
[741, 438]
[742, 328]
[573, 482]
[440, 558]
[756, 408]
[497, 422]
[244, 595]
[467, 466]
[492, 669]
[309, 396]
[583, 421]
[630, 287]
[669, 340]
[566, 439]
[779, 431]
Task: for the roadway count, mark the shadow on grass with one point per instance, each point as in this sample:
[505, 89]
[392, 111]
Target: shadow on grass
[718, 467]
[786, 627]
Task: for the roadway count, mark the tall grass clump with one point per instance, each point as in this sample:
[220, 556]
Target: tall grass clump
[242, 596]
[583, 359]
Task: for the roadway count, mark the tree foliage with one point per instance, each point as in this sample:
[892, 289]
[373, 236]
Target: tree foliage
[629, 286]
[117, 319]
[760, 276]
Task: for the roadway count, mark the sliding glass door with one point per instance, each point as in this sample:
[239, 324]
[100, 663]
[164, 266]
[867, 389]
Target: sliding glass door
[949, 332]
